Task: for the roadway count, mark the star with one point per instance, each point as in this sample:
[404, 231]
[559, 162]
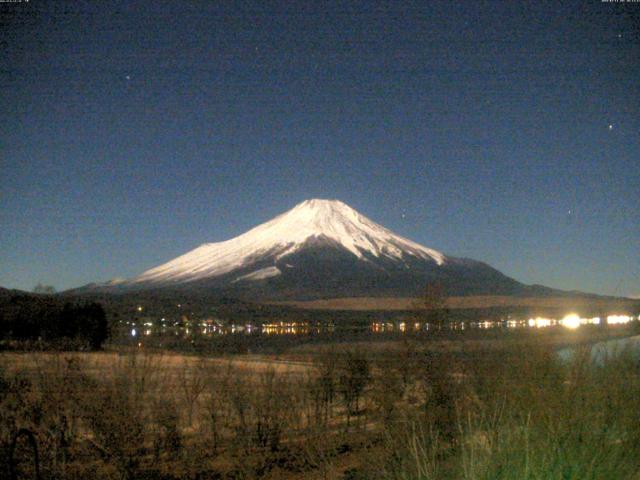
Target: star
[611, 126]
[128, 77]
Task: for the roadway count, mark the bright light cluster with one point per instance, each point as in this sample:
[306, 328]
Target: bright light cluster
[539, 322]
[571, 321]
[613, 319]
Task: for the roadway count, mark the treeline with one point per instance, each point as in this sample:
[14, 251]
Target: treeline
[26, 319]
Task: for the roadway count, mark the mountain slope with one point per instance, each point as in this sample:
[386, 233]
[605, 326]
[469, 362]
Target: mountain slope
[319, 249]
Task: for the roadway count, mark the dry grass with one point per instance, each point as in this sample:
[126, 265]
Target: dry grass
[100, 362]
[407, 409]
[137, 414]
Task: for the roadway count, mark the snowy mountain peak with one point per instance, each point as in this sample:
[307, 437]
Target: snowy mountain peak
[320, 214]
[322, 217]
[323, 208]
[330, 221]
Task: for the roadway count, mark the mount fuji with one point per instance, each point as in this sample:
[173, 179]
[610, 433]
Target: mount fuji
[319, 249]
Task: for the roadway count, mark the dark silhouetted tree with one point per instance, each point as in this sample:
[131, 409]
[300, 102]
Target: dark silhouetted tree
[431, 306]
[353, 378]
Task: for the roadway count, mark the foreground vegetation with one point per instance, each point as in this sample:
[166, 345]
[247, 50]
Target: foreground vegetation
[408, 409]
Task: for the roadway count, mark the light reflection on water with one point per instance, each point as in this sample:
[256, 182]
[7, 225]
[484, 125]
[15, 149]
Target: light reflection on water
[296, 328]
[570, 321]
[207, 328]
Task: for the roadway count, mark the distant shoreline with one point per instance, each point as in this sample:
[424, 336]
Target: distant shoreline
[481, 301]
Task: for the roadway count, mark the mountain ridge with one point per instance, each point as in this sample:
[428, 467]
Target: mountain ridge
[319, 249]
[284, 235]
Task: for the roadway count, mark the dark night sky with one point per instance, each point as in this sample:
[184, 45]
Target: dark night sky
[134, 131]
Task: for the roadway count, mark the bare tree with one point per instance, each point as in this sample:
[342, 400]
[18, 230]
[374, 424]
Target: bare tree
[217, 404]
[319, 450]
[322, 388]
[193, 384]
[431, 306]
[353, 378]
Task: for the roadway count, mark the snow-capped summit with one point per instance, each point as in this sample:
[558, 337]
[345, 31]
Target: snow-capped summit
[312, 221]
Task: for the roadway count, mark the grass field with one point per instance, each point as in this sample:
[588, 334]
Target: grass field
[459, 407]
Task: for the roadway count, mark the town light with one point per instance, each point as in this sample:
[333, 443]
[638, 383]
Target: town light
[615, 319]
[571, 321]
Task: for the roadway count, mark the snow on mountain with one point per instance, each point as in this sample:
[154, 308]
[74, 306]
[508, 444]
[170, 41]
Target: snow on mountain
[260, 274]
[321, 220]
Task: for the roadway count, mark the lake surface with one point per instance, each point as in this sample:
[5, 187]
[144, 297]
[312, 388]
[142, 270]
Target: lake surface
[215, 327]
[601, 351]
